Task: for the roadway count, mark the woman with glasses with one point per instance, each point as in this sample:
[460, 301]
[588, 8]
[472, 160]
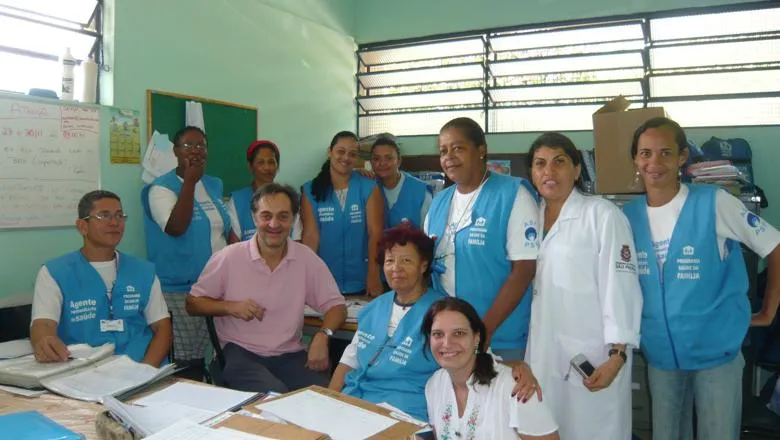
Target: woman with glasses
[97, 295]
[185, 222]
[263, 158]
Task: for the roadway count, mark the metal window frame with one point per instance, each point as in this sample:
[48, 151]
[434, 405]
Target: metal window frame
[645, 19]
[96, 17]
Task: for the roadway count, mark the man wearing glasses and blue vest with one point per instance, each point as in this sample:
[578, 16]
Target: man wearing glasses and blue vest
[97, 295]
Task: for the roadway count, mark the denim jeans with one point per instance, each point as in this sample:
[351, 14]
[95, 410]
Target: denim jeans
[717, 393]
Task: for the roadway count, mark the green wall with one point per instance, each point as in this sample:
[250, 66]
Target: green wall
[294, 60]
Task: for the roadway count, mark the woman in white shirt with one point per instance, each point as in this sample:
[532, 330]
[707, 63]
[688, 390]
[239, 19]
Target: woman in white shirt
[469, 397]
[586, 301]
[185, 222]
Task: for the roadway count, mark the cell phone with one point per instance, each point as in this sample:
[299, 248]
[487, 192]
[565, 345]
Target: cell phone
[582, 365]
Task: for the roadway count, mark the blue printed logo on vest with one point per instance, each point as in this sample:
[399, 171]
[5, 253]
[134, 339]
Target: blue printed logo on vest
[530, 234]
[355, 215]
[132, 299]
[402, 352]
[83, 310]
[478, 232]
[754, 222]
[326, 213]
[688, 267]
[641, 259]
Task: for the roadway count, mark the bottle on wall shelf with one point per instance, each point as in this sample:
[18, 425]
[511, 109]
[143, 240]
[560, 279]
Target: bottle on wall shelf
[68, 65]
[88, 81]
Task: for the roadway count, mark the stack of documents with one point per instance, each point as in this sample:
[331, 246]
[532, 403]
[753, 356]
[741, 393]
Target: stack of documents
[718, 172]
[26, 372]
[182, 400]
[15, 349]
[353, 308]
[189, 430]
[111, 377]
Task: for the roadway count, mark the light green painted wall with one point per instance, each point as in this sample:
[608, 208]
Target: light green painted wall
[382, 20]
[294, 60]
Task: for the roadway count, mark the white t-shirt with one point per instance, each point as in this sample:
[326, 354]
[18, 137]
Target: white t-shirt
[391, 194]
[47, 298]
[490, 412]
[161, 203]
[731, 222]
[349, 357]
[297, 228]
[525, 212]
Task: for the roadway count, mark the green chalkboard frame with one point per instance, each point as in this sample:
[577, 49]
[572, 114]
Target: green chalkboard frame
[230, 128]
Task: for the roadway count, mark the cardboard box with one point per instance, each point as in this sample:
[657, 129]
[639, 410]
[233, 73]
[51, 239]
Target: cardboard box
[613, 130]
[400, 430]
[265, 428]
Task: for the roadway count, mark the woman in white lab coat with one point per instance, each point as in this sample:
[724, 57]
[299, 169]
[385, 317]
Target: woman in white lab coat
[586, 300]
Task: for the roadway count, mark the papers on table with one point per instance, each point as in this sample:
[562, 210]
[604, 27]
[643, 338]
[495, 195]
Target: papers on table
[108, 378]
[151, 419]
[26, 372]
[22, 391]
[188, 430]
[15, 349]
[353, 308]
[203, 397]
[158, 158]
[314, 411]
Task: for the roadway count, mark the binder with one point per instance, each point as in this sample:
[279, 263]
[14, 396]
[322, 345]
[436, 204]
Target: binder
[32, 425]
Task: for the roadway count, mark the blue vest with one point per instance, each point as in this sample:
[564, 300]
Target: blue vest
[481, 264]
[242, 200]
[85, 303]
[180, 260]
[344, 233]
[696, 311]
[393, 370]
[409, 205]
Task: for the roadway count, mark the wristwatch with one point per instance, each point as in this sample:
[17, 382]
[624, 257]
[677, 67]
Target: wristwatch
[326, 331]
[621, 353]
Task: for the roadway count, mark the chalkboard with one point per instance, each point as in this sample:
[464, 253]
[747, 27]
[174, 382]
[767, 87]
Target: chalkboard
[230, 129]
[49, 158]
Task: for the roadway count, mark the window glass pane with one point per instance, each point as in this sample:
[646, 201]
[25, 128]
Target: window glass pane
[570, 50]
[568, 64]
[442, 74]
[552, 118]
[78, 11]
[27, 73]
[701, 55]
[566, 92]
[423, 51]
[715, 83]
[560, 78]
[436, 62]
[567, 37]
[422, 88]
[422, 100]
[724, 112]
[409, 124]
[44, 39]
[710, 25]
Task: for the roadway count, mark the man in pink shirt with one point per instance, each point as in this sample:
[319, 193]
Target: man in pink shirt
[256, 290]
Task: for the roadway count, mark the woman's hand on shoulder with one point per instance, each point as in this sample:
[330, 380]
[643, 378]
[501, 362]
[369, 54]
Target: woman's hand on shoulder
[526, 384]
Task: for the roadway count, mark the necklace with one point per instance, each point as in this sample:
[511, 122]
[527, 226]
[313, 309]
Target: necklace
[404, 305]
[452, 227]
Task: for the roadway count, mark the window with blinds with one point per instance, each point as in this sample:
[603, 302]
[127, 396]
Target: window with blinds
[706, 68]
[34, 34]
